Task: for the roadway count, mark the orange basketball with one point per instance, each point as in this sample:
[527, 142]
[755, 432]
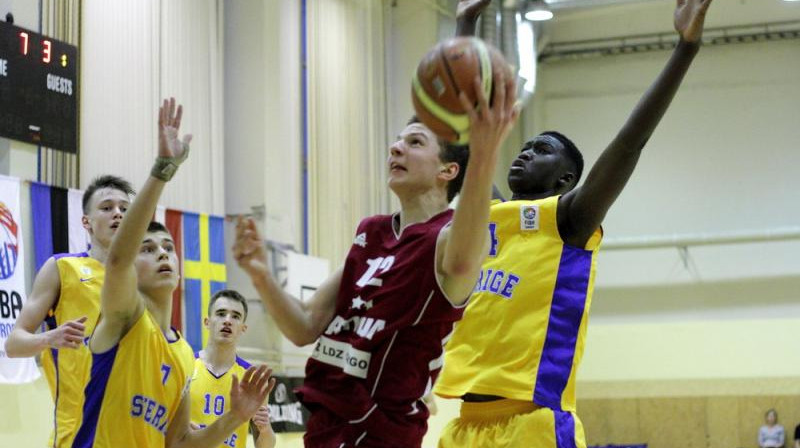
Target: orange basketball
[448, 69]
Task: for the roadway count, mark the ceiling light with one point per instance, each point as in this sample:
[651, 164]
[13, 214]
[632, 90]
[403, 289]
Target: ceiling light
[538, 11]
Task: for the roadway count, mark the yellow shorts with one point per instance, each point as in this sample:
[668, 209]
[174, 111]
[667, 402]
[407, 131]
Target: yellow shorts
[512, 424]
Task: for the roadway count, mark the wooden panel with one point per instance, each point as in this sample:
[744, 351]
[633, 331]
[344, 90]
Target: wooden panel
[722, 419]
[674, 422]
[685, 422]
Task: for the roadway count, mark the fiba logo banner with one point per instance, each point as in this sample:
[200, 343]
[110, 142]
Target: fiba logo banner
[12, 281]
[9, 248]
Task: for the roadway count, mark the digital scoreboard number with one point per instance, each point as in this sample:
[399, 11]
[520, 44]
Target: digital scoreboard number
[38, 89]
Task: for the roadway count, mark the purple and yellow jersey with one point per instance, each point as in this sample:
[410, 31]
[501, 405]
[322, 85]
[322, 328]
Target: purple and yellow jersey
[211, 397]
[523, 332]
[67, 370]
[135, 389]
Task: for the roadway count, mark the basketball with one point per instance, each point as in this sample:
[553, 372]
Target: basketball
[448, 69]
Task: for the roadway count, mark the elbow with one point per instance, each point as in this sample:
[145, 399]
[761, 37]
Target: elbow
[303, 335]
[302, 340]
[12, 348]
[460, 268]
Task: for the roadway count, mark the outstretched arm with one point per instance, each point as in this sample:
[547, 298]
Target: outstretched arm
[120, 303]
[23, 341]
[261, 427]
[301, 322]
[463, 246]
[582, 210]
[247, 396]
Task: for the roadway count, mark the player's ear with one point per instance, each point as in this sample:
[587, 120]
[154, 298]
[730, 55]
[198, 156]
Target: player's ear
[448, 171]
[565, 181]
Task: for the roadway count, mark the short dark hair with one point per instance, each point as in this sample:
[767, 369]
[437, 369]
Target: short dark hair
[106, 181]
[228, 294]
[156, 226]
[448, 153]
[572, 153]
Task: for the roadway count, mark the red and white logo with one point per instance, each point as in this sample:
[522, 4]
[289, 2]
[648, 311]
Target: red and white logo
[9, 243]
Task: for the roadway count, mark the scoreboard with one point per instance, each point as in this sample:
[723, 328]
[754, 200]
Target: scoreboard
[38, 89]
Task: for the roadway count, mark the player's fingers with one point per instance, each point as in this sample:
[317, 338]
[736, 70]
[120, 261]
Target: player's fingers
[170, 111]
[72, 325]
[270, 386]
[162, 113]
[511, 95]
[468, 107]
[234, 383]
[248, 375]
[178, 116]
[73, 339]
[483, 102]
[73, 332]
[499, 93]
[261, 377]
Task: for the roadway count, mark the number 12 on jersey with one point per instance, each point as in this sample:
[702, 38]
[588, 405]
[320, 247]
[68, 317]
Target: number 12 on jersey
[381, 264]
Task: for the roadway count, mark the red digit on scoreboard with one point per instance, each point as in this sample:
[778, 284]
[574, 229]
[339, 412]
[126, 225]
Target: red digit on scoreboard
[24, 41]
[46, 51]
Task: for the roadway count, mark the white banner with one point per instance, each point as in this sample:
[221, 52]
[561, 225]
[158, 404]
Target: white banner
[12, 281]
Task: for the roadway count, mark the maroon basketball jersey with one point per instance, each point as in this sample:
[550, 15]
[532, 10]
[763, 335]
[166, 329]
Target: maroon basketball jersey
[383, 349]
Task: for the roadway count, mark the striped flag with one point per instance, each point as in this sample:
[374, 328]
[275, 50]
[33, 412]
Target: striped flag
[200, 244]
[173, 220]
[203, 270]
[57, 225]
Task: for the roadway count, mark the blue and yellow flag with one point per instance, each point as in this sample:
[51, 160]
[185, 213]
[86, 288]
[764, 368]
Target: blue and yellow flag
[203, 271]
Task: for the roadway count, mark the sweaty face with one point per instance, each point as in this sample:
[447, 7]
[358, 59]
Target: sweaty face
[538, 167]
[225, 321]
[106, 209]
[157, 262]
[414, 163]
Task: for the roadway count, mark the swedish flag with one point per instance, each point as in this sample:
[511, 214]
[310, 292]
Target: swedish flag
[203, 270]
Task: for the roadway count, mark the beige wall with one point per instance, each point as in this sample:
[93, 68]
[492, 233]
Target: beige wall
[723, 159]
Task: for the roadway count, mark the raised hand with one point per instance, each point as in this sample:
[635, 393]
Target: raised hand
[248, 247]
[261, 420]
[67, 335]
[169, 123]
[251, 392]
[690, 15]
[489, 125]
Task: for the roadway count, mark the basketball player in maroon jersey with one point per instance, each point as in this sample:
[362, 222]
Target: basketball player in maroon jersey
[380, 321]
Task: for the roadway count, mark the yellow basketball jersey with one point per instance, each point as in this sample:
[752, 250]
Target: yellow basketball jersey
[67, 370]
[523, 331]
[211, 396]
[135, 389]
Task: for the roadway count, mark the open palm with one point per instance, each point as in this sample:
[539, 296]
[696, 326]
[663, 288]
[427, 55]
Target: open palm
[690, 15]
[169, 124]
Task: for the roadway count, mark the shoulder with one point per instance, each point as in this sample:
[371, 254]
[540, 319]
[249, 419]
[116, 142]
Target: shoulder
[375, 221]
[242, 363]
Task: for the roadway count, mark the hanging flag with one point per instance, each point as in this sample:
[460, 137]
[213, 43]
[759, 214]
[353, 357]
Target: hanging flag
[173, 220]
[203, 270]
[12, 281]
[57, 224]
